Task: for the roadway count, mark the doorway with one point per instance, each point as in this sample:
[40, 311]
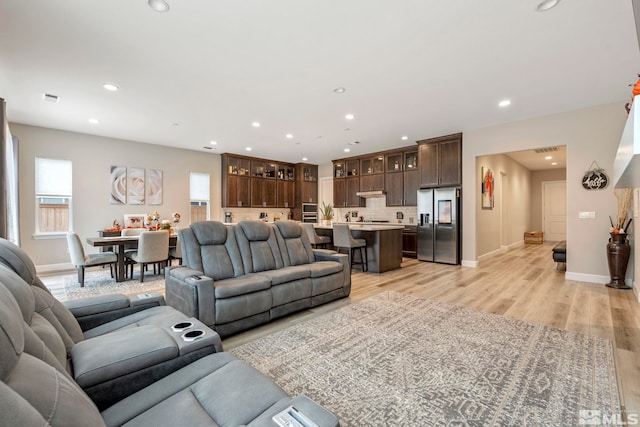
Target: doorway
[554, 210]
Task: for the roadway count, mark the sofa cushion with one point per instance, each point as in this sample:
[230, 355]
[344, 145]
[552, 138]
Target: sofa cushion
[294, 243]
[229, 288]
[287, 274]
[324, 268]
[209, 233]
[258, 246]
[215, 390]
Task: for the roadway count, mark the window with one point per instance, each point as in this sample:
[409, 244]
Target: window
[199, 195]
[53, 196]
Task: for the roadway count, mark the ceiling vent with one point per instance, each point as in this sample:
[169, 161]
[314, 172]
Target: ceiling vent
[50, 98]
[545, 150]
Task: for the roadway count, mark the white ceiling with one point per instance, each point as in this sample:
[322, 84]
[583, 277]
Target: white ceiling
[209, 68]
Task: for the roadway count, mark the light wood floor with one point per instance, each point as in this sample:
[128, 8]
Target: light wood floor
[521, 284]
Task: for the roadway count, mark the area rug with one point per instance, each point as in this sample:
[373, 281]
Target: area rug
[398, 360]
[99, 282]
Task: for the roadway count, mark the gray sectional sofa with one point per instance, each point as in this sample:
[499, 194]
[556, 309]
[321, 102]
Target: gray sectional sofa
[235, 277]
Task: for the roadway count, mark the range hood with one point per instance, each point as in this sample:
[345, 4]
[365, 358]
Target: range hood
[370, 194]
[626, 166]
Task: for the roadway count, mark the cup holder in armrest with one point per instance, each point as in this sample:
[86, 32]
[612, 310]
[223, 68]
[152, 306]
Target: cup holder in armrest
[193, 335]
[179, 327]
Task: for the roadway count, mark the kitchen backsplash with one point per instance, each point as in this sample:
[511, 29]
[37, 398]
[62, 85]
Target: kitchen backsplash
[377, 209]
[241, 214]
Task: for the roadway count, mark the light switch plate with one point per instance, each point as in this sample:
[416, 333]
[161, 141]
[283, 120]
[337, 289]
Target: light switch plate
[587, 215]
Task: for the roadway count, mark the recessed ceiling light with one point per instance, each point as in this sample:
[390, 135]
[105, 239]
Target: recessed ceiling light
[504, 103]
[304, 159]
[346, 150]
[289, 136]
[546, 5]
[255, 124]
[548, 157]
[175, 124]
[213, 142]
[94, 121]
[339, 90]
[159, 5]
[349, 116]
[404, 138]
[110, 87]
[248, 148]
[554, 163]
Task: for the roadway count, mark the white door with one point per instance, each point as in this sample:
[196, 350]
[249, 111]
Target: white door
[554, 210]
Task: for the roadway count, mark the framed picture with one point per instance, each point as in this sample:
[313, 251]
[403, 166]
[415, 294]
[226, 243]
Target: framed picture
[154, 187]
[118, 184]
[134, 220]
[444, 211]
[135, 186]
[487, 188]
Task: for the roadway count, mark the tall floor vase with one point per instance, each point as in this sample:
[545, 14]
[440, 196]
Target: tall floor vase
[618, 251]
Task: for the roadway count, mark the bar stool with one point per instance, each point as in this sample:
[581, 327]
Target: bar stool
[316, 241]
[342, 239]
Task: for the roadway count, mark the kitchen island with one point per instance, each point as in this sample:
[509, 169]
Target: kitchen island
[384, 243]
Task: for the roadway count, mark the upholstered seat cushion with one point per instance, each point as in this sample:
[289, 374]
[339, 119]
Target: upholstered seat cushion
[229, 288]
[216, 388]
[324, 268]
[162, 315]
[287, 274]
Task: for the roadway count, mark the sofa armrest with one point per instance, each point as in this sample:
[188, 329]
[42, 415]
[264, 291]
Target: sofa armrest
[94, 311]
[191, 292]
[327, 255]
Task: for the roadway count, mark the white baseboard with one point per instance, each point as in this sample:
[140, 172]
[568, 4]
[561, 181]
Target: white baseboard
[592, 278]
[470, 264]
[637, 292]
[54, 268]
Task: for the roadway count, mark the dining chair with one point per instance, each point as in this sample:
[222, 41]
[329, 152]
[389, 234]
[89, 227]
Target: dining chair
[81, 260]
[126, 232]
[342, 239]
[316, 240]
[153, 248]
[175, 252]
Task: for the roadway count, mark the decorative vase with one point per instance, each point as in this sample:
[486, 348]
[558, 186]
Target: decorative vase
[618, 251]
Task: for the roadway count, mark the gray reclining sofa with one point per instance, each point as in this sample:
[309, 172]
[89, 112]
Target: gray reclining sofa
[235, 277]
[135, 368]
[111, 345]
[216, 390]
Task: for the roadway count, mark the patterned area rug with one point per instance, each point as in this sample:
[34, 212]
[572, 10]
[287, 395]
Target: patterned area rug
[395, 359]
[99, 282]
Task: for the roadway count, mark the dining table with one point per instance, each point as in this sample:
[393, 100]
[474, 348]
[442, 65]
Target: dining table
[119, 244]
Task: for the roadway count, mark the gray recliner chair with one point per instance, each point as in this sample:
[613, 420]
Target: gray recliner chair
[119, 346]
[35, 389]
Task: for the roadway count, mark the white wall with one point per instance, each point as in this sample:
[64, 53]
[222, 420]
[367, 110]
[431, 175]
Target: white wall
[92, 157]
[589, 134]
[511, 204]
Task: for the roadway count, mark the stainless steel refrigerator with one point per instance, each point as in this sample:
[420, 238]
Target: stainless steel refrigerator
[439, 225]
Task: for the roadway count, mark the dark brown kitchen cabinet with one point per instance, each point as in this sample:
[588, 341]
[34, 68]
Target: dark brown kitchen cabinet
[372, 182]
[236, 182]
[263, 193]
[286, 194]
[402, 178]
[306, 190]
[346, 183]
[440, 161]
